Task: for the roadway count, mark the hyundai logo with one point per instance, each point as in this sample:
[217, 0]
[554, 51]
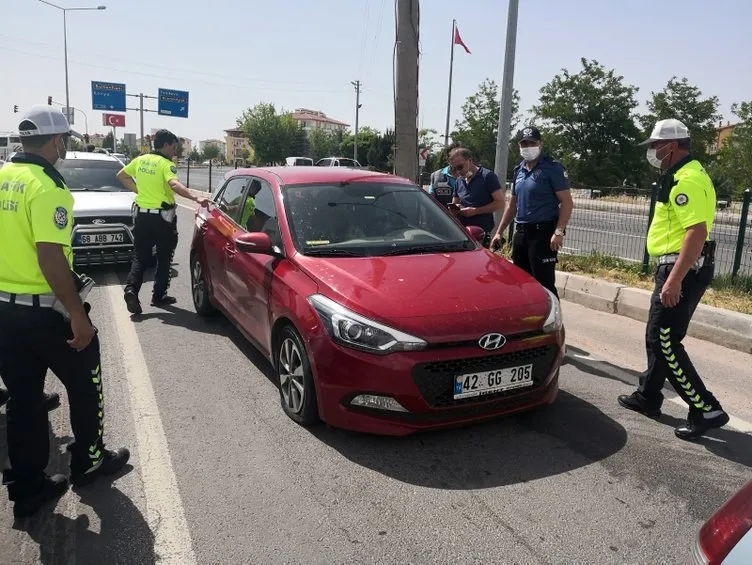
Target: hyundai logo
[492, 341]
[99, 221]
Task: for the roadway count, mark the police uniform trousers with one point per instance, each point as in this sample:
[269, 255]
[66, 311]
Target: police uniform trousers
[531, 252]
[150, 230]
[33, 339]
[667, 358]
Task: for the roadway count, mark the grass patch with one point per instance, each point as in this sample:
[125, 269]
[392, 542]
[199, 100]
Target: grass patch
[735, 295]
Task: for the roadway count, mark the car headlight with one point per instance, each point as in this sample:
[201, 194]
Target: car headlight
[353, 330]
[553, 321]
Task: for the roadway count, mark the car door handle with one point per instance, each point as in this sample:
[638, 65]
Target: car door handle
[230, 251]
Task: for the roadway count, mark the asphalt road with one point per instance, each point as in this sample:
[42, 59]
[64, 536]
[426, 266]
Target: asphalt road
[220, 475]
[614, 233]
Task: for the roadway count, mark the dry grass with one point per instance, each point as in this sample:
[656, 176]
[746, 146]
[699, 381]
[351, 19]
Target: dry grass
[735, 295]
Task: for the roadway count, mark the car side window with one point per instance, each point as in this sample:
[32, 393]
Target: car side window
[264, 216]
[230, 200]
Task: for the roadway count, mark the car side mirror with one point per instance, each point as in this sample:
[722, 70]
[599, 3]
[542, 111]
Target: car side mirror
[477, 233]
[255, 242]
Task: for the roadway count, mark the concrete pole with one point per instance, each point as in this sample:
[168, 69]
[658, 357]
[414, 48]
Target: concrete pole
[406, 111]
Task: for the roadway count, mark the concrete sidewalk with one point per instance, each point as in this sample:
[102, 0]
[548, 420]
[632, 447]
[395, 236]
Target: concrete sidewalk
[716, 325]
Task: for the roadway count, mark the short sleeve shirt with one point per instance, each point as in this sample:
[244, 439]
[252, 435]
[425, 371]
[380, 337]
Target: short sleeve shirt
[152, 173]
[35, 207]
[477, 192]
[690, 200]
[535, 190]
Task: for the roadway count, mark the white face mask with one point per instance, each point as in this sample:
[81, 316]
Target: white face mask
[61, 154]
[530, 153]
[653, 158]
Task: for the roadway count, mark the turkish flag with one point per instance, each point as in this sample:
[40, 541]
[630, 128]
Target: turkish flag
[458, 40]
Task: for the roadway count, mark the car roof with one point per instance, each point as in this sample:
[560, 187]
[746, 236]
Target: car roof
[311, 175]
[84, 155]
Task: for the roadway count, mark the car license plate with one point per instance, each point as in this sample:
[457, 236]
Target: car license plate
[488, 382]
[100, 238]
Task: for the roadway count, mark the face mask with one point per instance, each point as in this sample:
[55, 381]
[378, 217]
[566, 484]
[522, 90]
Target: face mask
[530, 153]
[61, 153]
[653, 158]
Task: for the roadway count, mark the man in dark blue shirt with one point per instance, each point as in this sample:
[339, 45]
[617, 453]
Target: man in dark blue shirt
[477, 194]
[541, 205]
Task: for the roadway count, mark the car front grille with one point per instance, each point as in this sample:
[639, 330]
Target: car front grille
[89, 220]
[435, 380]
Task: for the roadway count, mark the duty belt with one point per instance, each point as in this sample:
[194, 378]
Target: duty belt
[36, 300]
[148, 210]
[672, 258]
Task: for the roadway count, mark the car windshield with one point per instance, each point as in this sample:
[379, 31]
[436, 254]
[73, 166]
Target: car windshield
[90, 174]
[370, 219]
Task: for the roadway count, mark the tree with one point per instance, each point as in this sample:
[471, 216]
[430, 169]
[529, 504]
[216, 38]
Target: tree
[681, 100]
[590, 119]
[322, 143]
[732, 169]
[273, 136]
[195, 155]
[479, 126]
[367, 136]
[107, 142]
[211, 151]
[380, 155]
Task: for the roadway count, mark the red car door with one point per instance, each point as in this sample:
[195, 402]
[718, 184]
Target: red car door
[250, 275]
[218, 236]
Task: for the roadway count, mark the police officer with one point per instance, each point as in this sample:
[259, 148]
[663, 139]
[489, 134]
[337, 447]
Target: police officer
[44, 323]
[679, 237]
[541, 205]
[477, 194]
[443, 182]
[155, 185]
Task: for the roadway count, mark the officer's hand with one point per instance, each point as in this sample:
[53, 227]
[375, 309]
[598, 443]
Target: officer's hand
[202, 201]
[671, 293]
[83, 333]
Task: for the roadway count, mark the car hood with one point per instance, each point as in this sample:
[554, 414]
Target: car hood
[102, 203]
[444, 296]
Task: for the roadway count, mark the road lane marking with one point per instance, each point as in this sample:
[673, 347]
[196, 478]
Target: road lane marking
[736, 423]
[164, 507]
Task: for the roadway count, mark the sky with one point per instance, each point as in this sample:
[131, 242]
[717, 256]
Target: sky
[232, 54]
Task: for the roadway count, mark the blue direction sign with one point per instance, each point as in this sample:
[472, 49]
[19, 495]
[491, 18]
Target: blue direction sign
[173, 103]
[108, 96]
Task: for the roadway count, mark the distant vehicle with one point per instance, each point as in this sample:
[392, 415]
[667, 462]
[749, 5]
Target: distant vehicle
[10, 143]
[122, 157]
[102, 210]
[299, 162]
[338, 162]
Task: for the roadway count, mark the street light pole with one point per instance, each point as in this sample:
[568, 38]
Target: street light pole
[65, 47]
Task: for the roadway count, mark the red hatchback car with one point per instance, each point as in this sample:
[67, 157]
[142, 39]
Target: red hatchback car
[379, 312]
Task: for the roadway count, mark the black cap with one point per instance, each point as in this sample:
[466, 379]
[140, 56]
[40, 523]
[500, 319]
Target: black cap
[530, 133]
[164, 137]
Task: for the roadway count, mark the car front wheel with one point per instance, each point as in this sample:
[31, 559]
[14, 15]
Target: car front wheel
[200, 288]
[296, 388]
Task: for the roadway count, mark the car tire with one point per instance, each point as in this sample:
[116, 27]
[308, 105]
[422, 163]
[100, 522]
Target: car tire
[297, 391]
[200, 288]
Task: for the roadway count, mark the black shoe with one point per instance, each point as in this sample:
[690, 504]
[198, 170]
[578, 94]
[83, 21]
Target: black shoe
[697, 427]
[112, 463]
[163, 300]
[54, 487]
[4, 396]
[132, 302]
[51, 401]
[637, 403]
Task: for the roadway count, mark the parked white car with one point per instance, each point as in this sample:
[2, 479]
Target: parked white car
[102, 211]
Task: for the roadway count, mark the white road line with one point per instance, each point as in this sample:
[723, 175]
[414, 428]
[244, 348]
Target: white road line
[737, 423]
[164, 508]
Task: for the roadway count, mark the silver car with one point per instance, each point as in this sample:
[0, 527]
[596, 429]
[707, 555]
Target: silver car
[103, 209]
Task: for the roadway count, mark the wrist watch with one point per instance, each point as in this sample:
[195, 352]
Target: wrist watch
[561, 232]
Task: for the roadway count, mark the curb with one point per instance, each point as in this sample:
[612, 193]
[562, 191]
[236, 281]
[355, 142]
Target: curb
[716, 325]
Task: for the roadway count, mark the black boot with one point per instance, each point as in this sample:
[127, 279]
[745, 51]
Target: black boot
[52, 488]
[112, 462]
[638, 403]
[697, 426]
[163, 300]
[132, 302]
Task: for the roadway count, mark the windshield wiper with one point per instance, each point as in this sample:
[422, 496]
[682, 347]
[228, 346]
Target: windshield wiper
[431, 248]
[332, 253]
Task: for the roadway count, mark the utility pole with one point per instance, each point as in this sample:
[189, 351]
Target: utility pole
[406, 102]
[356, 84]
[141, 110]
[507, 91]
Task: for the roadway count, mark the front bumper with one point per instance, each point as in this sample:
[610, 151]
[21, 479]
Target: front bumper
[422, 382]
[102, 244]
